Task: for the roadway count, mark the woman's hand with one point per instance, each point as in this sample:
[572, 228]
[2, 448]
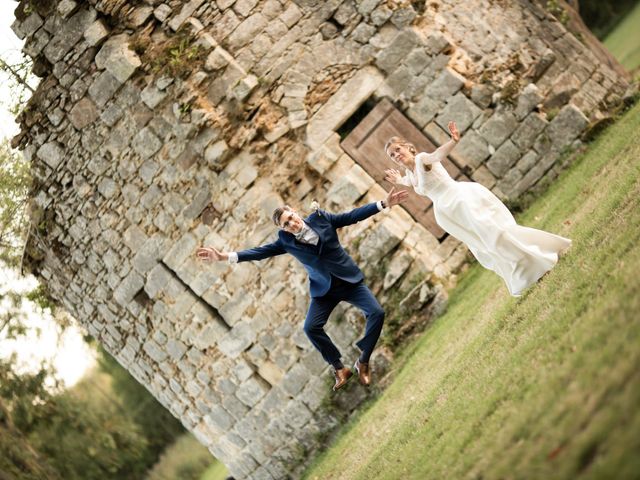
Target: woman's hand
[453, 129]
[392, 175]
[211, 254]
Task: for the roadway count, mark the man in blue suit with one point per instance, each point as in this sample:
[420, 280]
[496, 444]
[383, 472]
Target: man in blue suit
[333, 276]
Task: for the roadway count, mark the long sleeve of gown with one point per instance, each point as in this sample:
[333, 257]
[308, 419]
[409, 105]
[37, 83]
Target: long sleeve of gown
[406, 181]
[438, 155]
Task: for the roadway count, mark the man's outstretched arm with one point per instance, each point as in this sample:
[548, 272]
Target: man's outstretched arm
[209, 254]
[358, 214]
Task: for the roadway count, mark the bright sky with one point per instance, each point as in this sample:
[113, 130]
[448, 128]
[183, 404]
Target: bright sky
[10, 45]
[68, 352]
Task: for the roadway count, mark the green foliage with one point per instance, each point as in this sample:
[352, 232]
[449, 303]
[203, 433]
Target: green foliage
[624, 41]
[156, 423]
[20, 76]
[187, 459]
[177, 57]
[545, 385]
[558, 11]
[68, 437]
[41, 297]
[217, 471]
[15, 182]
[603, 16]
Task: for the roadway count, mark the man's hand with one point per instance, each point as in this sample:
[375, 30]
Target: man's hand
[211, 254]
[392, 175]
[453, 129]
[394, 198]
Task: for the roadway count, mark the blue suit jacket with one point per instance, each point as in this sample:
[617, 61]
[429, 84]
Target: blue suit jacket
[321, 261]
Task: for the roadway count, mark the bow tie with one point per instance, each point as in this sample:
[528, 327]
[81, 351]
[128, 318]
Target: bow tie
[302, 231]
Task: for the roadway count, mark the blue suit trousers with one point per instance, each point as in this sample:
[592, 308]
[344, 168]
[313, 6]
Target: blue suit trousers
[357, 294]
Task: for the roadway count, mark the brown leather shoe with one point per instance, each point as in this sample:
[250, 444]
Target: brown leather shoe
[342, 377]
[364, 374]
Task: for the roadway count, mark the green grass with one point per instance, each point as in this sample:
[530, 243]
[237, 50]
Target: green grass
[624, 41]
[187, 459]
[217, 471]
[543, 386]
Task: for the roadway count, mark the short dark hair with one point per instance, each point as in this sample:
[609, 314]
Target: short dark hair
[277, 213]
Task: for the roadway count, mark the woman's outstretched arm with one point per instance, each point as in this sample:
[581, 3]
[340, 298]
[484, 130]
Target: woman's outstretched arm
[443, 150]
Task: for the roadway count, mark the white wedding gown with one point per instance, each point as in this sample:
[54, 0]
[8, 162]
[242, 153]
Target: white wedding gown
[475, 216]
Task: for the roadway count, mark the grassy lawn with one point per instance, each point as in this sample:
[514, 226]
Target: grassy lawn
[544, 386]
[217, 471]
[624, 41]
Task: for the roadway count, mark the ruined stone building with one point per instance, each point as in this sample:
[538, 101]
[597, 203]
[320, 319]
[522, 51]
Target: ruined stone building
[162, 125]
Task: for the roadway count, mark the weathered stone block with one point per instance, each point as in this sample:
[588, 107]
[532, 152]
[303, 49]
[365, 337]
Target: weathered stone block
[51, 153]
[459, 109]
[483, 175]
[566, 126]
[186, 12]
[424, 111]
[103, 88]
[417, 60]
[83, 113]
[96, 33]
[363, 32]
[472, 150]
[350, 187]
[108, 188]
[252, 390]
[498, 128]
[117, 58]
[295, 379]
[389, 58]
[342, 105]
[247, 30]
[233, 310]
[140, 15]
[445, 85]
[131, 285]
[66, 7]
[527, 161]
[146, 143]
[155, 351]
[162, 12]
[182, 249]
[149, 253]
[503, 159]
[380, 15]
[238, 339]
[28, 26]
[152, 96]
[244, 87]
[176, 349]
[70, 33]
[291, 15]
[529, 98]
[297, 414]
[529, 129]
[397, 267]
[379, 241]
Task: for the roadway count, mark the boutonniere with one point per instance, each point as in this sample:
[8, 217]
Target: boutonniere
[315, 206]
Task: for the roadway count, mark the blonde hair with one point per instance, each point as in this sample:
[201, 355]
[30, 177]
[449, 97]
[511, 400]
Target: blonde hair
[401, 141]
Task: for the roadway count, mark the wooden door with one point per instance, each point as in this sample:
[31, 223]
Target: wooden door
[365, 144]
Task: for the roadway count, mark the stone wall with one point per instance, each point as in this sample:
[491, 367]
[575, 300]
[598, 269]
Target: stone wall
[160, 126]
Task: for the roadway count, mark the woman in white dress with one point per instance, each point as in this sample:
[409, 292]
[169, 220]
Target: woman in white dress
[475, 216]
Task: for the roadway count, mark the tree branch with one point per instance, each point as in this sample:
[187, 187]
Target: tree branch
[16, 75]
